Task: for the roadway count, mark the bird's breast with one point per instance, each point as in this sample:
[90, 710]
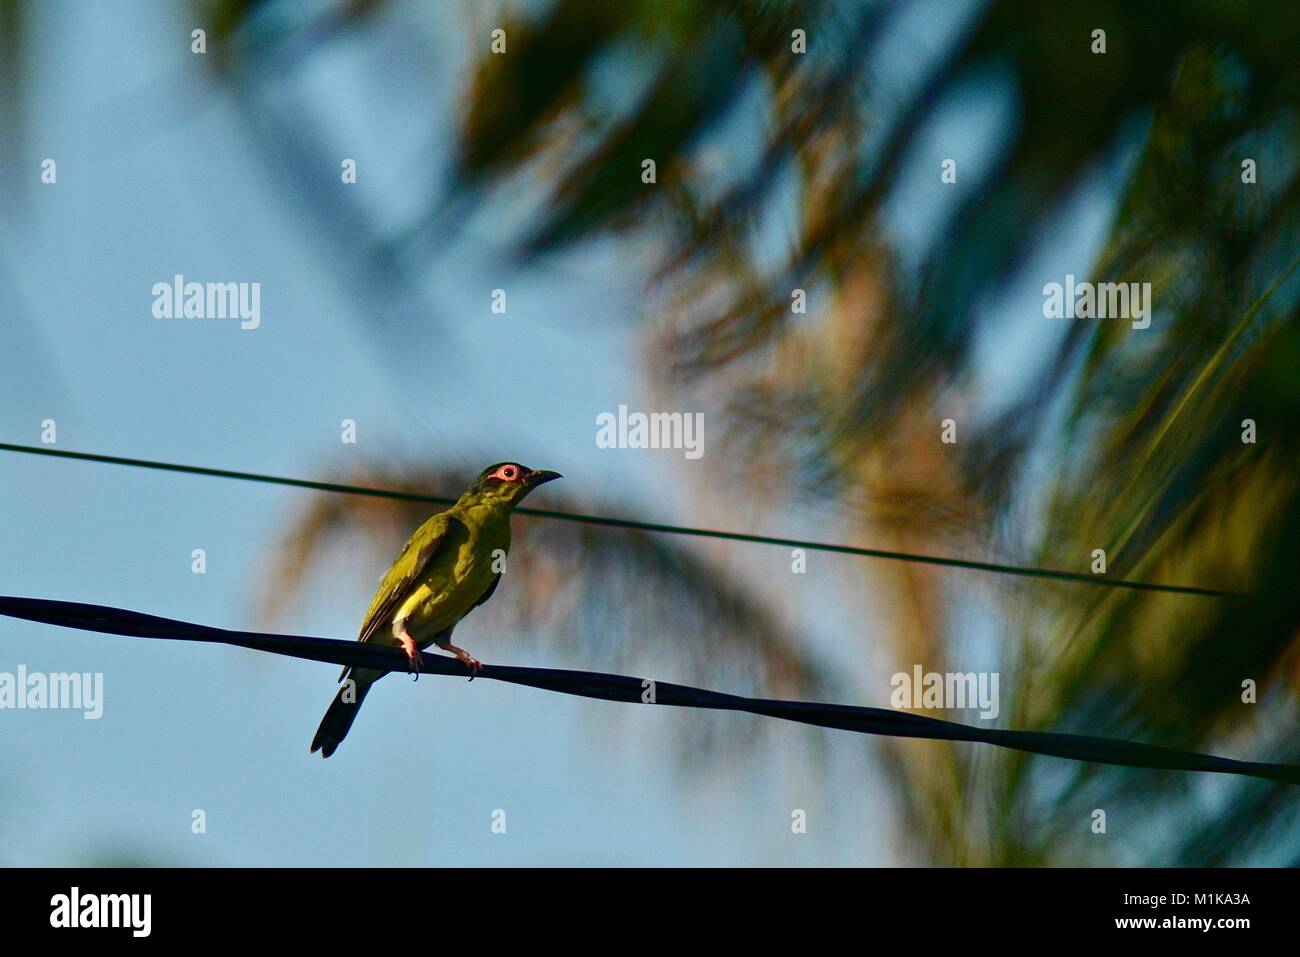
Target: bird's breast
[455, 581]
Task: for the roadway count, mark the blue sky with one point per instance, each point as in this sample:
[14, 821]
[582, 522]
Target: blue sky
[159, 174]
[155, 177]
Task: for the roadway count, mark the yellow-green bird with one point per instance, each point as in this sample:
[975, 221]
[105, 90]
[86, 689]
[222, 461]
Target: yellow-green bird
[450, 566]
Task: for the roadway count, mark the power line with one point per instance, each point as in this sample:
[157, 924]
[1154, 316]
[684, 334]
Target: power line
[607, 522]
[633, 690]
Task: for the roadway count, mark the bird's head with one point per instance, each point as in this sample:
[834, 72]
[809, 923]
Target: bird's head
[507, 483]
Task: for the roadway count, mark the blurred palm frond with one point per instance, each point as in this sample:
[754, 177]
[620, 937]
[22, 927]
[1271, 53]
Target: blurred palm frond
[1120, 439]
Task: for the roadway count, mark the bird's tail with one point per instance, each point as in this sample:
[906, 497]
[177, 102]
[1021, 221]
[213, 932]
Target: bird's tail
[342, 712]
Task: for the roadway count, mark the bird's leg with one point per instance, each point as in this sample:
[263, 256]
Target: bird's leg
[413, 656]
[465, 658]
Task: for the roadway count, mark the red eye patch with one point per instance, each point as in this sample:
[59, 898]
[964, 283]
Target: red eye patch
[508, 473]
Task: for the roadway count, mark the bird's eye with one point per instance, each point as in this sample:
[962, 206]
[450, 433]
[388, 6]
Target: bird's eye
[509, 473]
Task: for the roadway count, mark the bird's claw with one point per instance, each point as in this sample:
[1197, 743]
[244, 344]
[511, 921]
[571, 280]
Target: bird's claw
[416, 663]
[472, 663]
[414, 660]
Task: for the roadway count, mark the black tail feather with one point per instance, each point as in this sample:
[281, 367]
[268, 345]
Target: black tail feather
[338, 719]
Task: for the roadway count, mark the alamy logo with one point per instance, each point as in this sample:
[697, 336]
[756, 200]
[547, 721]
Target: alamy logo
[950, 691]
[103, 910]
[179, 299]
[651, 430]
[72, 691]
[1103, 300]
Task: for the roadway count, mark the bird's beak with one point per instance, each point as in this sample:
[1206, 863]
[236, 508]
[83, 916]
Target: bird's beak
[541, 476]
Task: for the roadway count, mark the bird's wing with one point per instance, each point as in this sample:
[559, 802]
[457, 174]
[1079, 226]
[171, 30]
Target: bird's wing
[406, 571]
[488, 593]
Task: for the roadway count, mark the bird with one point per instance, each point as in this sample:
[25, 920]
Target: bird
[450, 566]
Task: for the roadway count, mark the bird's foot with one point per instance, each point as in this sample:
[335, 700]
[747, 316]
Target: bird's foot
[465, 658]
[470, 662]
[414, 660]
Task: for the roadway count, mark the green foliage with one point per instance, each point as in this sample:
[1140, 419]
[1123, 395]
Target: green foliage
[1149, 455]
[1123, 440]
